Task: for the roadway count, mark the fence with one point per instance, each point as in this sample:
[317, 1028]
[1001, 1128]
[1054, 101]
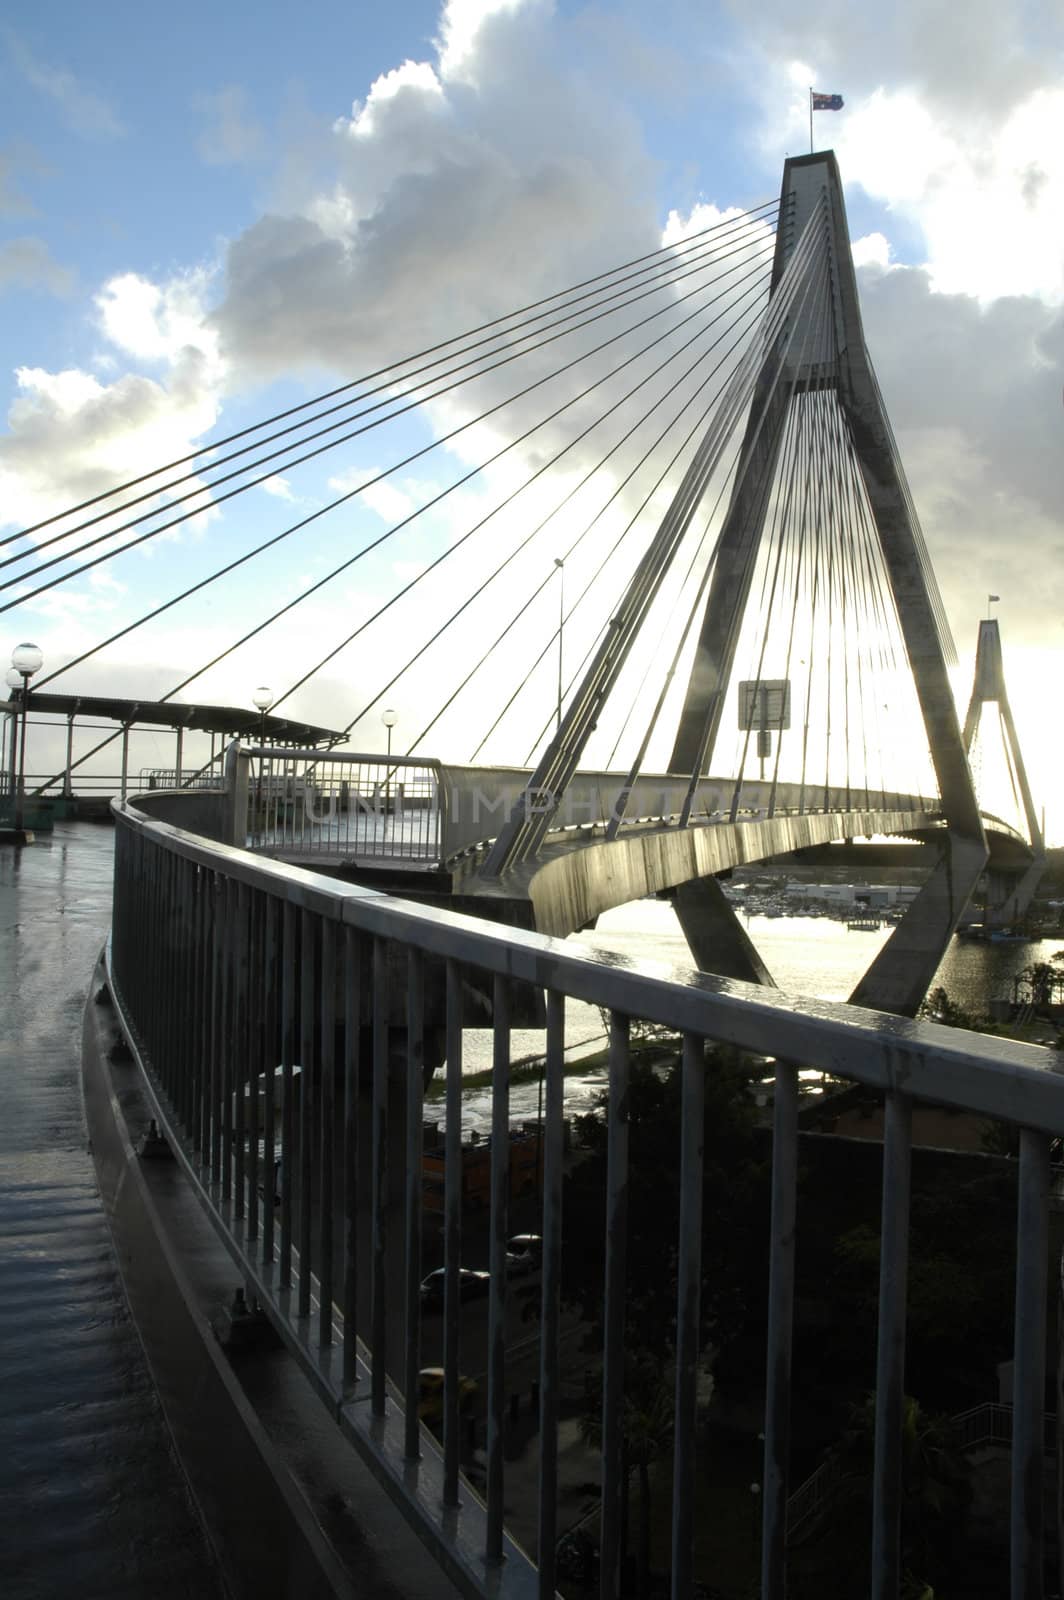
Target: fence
[362, 807]
[247, 987]
[368, 807]
[986, 1424]
[187, 778]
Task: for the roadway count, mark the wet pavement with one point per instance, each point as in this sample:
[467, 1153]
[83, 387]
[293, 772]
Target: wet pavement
[92, 1498]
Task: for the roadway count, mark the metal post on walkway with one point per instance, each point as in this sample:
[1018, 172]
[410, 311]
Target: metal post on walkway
[68, 781]
[125, 758]
[178, 753]
[26, 659]
[12, 731]
[1029, 1368]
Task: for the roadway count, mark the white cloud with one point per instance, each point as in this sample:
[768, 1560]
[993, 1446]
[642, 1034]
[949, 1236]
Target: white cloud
[160, 322]
[872, 251]
[385, 499]
[103, 578]
[13, 203]
[231, 135]
[29, 264]
[957, 128]
[72, 437]
[463, 187]
[83, 110]
[278, 487]
[991, 210]
[462, 23]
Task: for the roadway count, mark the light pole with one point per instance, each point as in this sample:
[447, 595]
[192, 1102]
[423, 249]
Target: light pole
[389, 719]
[26, 659]
[262, 700]
[14, 682]
[560, 564]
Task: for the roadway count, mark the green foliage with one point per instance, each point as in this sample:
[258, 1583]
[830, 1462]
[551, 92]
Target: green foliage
[1043, 981]
[961, 1265]
[939, 1007]
[732, 1201]
[936, 1490]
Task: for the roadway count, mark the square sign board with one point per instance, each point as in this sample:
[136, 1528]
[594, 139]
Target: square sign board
[764, 703]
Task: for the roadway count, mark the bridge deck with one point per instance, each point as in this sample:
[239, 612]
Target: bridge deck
[95, 1502]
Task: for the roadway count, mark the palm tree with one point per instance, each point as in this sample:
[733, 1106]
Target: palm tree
[647, 1422]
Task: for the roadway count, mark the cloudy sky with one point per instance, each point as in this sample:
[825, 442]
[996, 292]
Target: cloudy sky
[210, 213]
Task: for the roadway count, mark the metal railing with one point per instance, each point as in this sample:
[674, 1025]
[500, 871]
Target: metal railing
[363, 808]
[250, 988]
[812, 1497]
[187, 778]
[986, 1424]
[366, 807]
[992, 1423]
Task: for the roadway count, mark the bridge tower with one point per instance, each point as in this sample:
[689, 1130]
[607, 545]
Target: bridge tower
[812, 339]
[1008, 892]
[898, 978]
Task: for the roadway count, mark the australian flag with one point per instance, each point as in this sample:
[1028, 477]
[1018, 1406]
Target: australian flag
[827, 102]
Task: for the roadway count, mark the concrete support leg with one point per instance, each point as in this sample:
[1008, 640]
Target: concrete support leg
[902, 972]
[1009, 894]
[716, 938]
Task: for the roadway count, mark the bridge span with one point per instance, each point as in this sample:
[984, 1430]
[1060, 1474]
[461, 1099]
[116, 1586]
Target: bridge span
[377, 822]
[256, 998]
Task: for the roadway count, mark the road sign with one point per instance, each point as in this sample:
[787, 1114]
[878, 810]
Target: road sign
[764, 703]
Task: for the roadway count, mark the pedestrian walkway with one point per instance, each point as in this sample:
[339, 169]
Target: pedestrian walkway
[93, 1501]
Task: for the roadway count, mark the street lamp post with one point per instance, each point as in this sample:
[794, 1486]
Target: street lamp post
[560, 564]
[262, 700]
[14, 684]
[389, 719]
[26, 659]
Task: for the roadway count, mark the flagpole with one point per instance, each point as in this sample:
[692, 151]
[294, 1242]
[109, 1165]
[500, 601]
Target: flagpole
[810, 119]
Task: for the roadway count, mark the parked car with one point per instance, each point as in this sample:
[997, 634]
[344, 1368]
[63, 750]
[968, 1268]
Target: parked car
[520, 1264]
[471, 1285]
[527, 1248]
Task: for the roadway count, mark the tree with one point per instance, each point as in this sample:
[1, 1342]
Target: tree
[936, 1494]
[734, 1200]
[733, 1205]
[647, 1425]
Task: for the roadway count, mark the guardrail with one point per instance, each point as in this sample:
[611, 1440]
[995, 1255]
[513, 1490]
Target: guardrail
[363, 807]
[368, 807]
[246, 986]
[187, 778]
[992, 1423]
[986, 1424]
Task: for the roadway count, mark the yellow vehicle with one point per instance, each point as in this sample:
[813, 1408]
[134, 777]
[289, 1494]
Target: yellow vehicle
[430, 1394]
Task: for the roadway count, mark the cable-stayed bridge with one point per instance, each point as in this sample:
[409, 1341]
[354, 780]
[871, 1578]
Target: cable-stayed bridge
[680, 545]
[689, 549]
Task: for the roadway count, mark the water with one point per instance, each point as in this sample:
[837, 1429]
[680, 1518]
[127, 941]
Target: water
[815, 956]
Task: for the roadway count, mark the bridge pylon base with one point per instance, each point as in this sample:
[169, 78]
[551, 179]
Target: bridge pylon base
[1009, 895]
[902, 972]
[715, 937]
